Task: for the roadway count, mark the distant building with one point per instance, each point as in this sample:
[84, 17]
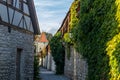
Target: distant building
[49, 62]
[40, 46]
[65, 27]
[18, 24]
[40, 43]
[42, 49]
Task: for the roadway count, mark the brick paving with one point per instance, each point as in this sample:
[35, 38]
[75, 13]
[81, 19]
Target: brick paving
[49, 75]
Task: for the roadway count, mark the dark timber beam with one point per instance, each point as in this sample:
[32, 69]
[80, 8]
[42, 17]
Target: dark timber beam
[33, 16]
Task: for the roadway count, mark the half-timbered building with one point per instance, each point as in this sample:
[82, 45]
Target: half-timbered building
[18, 24]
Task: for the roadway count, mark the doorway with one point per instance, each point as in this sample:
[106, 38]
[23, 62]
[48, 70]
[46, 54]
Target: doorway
[18, 63]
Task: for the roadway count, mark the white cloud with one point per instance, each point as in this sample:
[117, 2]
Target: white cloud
[47, 3]
[51, 13]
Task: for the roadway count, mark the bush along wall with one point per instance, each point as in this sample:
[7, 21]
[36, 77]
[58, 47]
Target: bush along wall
[36, 68]
[58, 53]
[97, 38]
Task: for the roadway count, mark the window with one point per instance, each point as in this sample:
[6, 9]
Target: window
[21, 4]
[10, 2]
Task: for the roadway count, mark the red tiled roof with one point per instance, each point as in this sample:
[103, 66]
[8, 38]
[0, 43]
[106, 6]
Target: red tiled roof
[43, 38]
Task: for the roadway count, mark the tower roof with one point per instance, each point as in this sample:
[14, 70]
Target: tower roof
[43, 37]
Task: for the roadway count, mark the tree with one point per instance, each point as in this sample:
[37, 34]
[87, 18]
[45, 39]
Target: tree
[58, 52]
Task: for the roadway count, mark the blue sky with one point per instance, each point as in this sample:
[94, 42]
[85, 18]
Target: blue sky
[51, 13]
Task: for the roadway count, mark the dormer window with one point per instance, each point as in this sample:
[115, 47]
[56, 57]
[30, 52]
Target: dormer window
[10, 2]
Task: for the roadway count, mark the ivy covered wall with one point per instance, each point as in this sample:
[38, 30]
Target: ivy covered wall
[73, 14]
[73, 22]
[97, 38]
[67, 38]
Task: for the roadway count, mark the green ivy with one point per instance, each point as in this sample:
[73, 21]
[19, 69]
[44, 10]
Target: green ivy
[73, 22]
[74, 18]
[97, 38]
[68, 43]
[67, 38]
[58, 53]
[73, 14]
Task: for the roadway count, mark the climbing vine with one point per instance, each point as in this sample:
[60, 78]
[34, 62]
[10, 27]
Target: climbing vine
[73, 23]
[68, 42]
[58, 53]
[97, 38]
[74, 14]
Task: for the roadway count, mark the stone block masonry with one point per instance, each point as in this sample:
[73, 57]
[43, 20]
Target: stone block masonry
[9, 43]
[76, 67]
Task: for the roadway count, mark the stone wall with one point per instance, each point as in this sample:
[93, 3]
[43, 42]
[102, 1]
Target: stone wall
[53, 66]
[49, 63]
[76, 67]
[9, 42]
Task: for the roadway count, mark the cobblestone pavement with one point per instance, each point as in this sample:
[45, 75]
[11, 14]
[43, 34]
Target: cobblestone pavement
[49, 75]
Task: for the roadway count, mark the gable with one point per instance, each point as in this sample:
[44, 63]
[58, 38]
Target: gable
[20, 13]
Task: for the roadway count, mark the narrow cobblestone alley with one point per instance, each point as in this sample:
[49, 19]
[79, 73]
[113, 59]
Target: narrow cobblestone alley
[49, 75]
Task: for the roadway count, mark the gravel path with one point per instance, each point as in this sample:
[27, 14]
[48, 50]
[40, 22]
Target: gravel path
[49, 75]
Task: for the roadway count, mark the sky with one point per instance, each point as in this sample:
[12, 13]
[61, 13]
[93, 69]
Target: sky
[51, 13]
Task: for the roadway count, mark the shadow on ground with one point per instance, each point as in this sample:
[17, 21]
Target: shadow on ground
[49, 75]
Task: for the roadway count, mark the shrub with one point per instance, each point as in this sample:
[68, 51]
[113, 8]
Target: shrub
[58, 53]
[36, 68]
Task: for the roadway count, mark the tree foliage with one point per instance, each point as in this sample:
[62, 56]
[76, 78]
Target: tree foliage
[58, 52]
[97, 38]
